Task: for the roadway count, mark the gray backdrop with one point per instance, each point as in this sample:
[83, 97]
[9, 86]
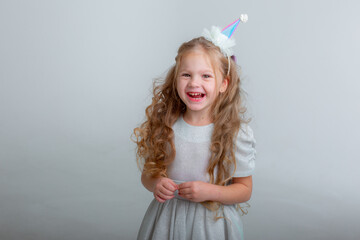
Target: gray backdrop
[75, 78]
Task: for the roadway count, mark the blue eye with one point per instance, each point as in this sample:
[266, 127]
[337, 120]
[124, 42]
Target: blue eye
[206, 76]
[185, 75]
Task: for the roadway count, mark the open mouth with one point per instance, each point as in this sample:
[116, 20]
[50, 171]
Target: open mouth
[195, 96]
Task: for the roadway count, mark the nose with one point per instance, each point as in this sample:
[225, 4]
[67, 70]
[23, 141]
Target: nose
[194, 81]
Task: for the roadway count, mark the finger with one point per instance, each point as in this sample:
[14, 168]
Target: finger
[175, 185]
[166, 192]
[184, 186]
[187, 196]
[159, 199]
[185, 191]
[165, 197]
[171, 186]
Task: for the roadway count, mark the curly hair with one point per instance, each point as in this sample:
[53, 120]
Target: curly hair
[154, 137]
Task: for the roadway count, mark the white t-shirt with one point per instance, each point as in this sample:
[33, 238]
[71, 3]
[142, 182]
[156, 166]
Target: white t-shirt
[192, 144]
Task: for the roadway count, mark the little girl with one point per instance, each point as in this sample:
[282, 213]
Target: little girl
[196, 148]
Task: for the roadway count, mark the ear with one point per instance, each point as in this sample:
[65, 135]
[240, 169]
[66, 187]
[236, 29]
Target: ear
[224, 84]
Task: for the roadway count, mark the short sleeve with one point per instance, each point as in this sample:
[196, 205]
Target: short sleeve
[245, 152]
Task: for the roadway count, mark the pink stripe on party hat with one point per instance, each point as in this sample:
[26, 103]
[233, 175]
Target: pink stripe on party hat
[229, 30]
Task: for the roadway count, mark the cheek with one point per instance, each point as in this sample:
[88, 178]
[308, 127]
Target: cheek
[212, 87]
[180, 85]
[178, 89]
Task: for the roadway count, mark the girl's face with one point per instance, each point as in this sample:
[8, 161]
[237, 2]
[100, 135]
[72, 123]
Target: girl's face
[197, 85]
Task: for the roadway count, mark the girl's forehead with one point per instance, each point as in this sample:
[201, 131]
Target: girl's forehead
[197, 56]
[196, 52]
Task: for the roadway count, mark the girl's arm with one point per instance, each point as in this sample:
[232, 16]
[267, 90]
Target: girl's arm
[237, 192]
[149, 182]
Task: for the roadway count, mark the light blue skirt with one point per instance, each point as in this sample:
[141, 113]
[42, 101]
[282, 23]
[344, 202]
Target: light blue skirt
[180, 219]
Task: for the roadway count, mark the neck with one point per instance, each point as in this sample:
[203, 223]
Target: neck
[197, 119]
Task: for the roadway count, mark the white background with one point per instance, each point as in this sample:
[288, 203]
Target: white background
[76, 76]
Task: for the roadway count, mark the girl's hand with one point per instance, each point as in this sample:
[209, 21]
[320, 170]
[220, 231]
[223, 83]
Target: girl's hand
[195, 191]
[164, 189]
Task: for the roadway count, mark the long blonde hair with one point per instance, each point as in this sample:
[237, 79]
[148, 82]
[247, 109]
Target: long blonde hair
[154, 137]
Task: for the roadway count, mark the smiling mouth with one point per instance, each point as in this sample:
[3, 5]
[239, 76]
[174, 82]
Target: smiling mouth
[196, 95]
